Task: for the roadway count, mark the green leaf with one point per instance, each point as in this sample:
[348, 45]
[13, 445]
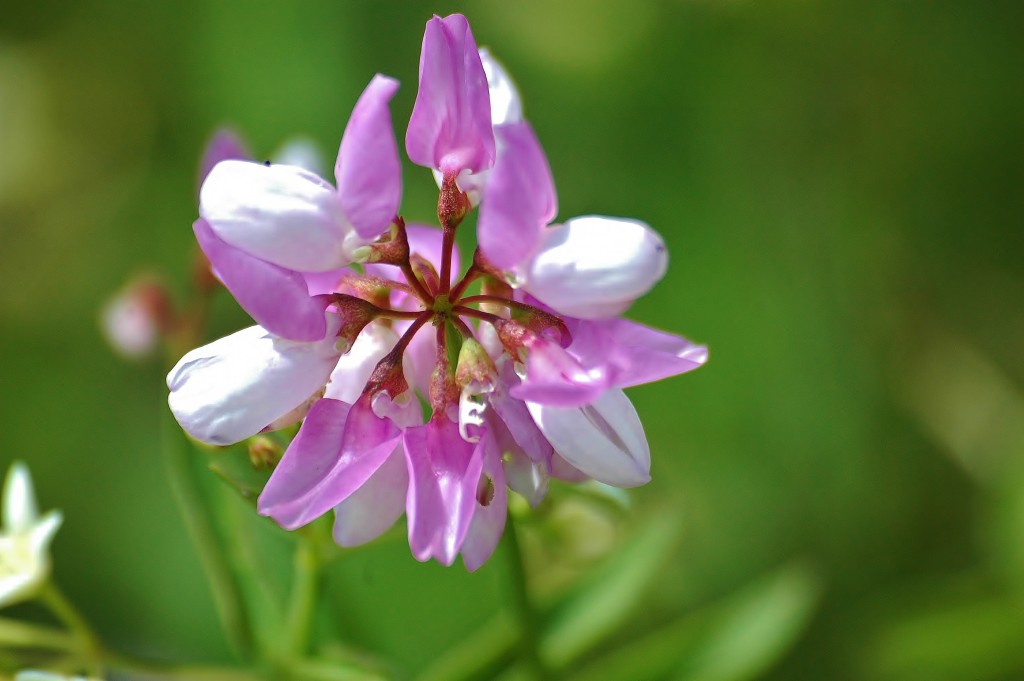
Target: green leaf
[16, 634]
[478, 656]
[733, 639]
[755, 628]
[610, 595]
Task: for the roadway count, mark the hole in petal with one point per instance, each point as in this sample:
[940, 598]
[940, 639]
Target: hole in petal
[485, 490]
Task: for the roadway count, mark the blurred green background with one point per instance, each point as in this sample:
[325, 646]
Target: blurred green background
[838, 183]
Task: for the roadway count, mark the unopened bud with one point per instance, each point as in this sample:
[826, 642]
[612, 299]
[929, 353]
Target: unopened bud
[388, 376]
[355, 313]
[392, 248]
[475, 369]
[264, 453]
[425, 272]
[136, 318]
[452, 203]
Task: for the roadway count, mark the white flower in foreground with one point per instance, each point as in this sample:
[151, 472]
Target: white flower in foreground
[36, 675]
[24, 538]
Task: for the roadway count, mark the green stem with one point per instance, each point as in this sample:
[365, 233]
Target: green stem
[54, 599]
[305, 589]
[529, 647]
[196, 513]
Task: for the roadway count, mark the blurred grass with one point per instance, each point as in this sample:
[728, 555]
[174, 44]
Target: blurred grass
[839, 184]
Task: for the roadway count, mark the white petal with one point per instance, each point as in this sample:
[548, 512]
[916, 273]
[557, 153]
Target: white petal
[42, 533]
[282, 214]
[605, 439]
[20, 510]
[374, 507]
[506, 104]
[354, 368]
[234, 387]
[593, 267]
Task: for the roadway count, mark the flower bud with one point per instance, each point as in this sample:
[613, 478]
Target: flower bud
[135, 319]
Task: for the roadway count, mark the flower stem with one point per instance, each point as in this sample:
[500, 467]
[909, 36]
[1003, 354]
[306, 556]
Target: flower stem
[529, 647]
[196, 513]
[66, 612]
[305, 588]
[447, 246]
[468, 278]
[479, 314]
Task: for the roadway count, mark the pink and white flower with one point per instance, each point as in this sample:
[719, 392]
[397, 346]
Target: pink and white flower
[524, 379]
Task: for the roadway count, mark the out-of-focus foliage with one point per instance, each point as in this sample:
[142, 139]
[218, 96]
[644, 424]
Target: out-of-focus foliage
[840, 186]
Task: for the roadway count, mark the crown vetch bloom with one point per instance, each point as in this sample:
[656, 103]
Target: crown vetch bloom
[24, 538]
[524, 379]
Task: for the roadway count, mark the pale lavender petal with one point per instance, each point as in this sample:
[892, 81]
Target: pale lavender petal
[224, 146]
[234, 387]
[514, 414]
[374, 507]
[368, 170]
[491, 510]
[444, 471]
[349, 377]
[277, 299]
[520, 199]
[565, 471]
[604, 439]
[506, 104]
[525, 476]
[365, 443]
[420, 357]
[554, 377]
[594, 267]
[450, 126]
[281, 214]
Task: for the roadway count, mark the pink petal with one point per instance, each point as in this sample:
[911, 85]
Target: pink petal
[282, 214]
[450, 126]
[444, 471]
[368, 170]
[489, 518]
[275, 297]
[520, 200]
[321, 283]
[341, 462]
[554, 377]
[637, 354]
[374, 507]
[224, 146]
[308, 458]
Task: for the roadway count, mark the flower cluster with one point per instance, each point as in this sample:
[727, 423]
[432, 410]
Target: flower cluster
[522, 357]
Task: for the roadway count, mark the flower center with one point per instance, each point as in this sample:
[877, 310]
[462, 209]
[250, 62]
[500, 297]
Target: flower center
[445, 305]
